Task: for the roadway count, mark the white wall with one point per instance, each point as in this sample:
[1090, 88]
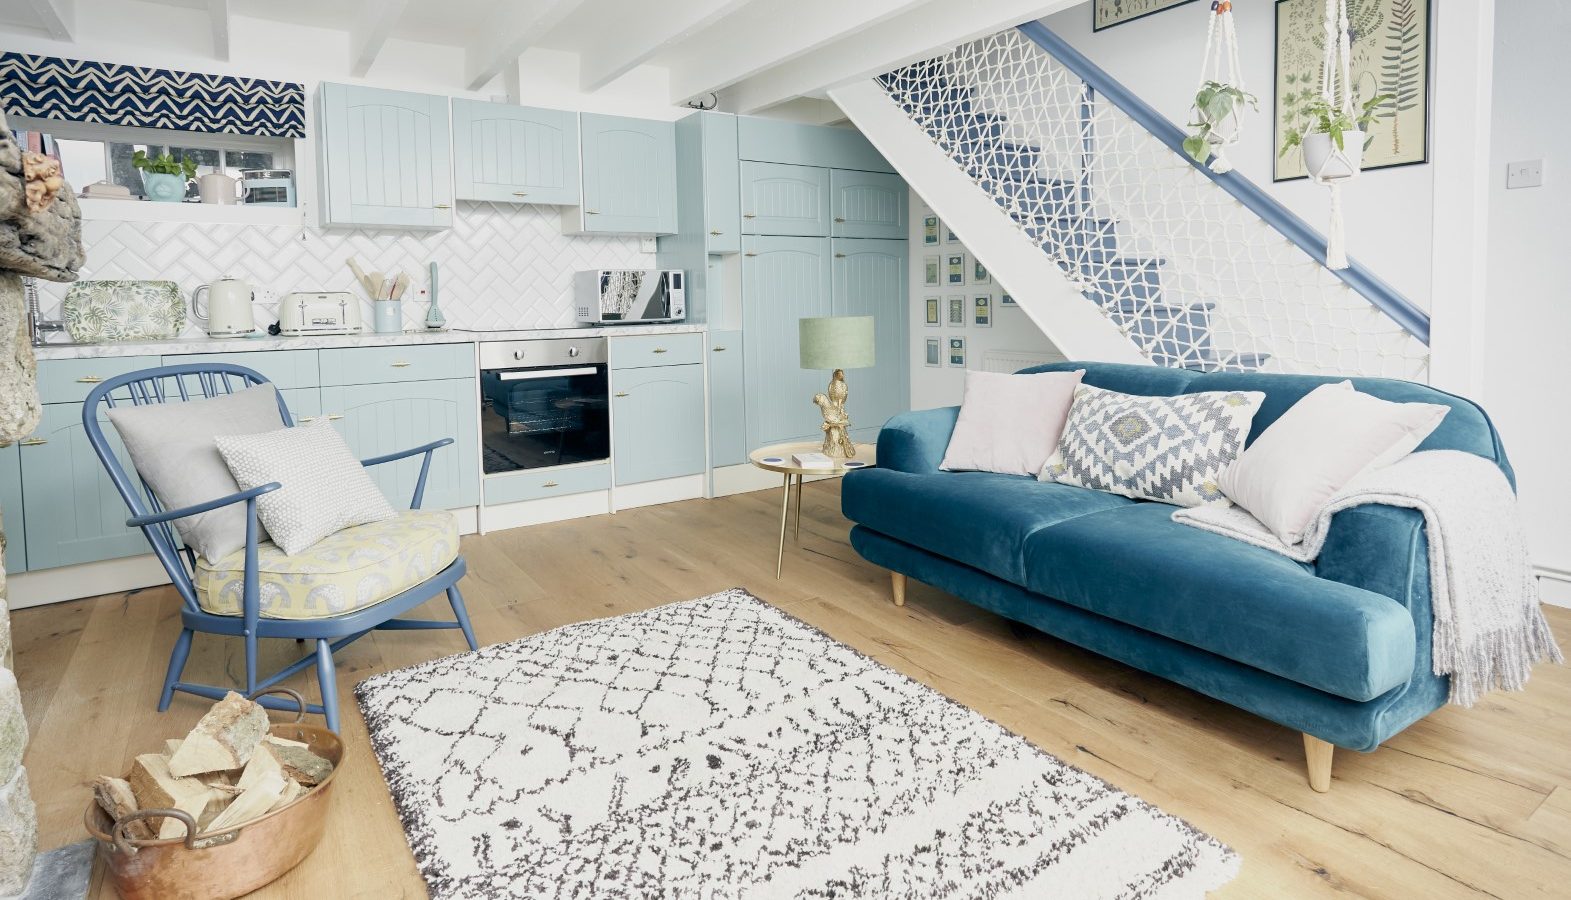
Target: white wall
[1158, 57]
[1012, 330]
[1527, 310]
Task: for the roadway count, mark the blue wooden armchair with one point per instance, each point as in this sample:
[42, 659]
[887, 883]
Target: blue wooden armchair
[330, 632]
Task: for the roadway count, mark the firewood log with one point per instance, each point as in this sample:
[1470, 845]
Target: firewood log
[225, 738]
[302, 765]
[118, 801]
[260, 797]
[155, 787]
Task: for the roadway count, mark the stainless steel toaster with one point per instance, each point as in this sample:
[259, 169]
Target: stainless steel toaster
[326, 312]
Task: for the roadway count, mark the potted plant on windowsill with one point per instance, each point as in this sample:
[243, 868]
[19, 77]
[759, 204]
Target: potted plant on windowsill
[163, 176]
[1218, 112]
[1333, 142]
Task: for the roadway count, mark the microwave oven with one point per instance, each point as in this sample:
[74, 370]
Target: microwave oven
[627, 296]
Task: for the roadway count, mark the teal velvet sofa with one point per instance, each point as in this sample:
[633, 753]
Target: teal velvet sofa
[1338, 649]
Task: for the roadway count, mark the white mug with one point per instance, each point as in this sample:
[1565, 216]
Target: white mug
[216, 187]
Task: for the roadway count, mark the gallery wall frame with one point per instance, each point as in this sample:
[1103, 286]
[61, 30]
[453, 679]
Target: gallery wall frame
[1108, 13]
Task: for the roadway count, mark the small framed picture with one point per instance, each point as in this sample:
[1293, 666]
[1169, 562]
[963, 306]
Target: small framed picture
[979, 272]
[957, 353]
[1005, 300]
[935, 352]
[930, 271]
[931, 303]
[957, 311]
[982, 310]
[950, 237]
[956, 271]
[930, 231]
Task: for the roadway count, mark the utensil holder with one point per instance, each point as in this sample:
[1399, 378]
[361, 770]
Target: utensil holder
[388, 316]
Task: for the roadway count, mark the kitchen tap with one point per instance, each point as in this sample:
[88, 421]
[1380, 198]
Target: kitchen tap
[40, 327]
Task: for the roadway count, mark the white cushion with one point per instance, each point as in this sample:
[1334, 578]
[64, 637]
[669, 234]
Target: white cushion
[1010, 423]
[323, 488]
[171, 447]
[1328, 438]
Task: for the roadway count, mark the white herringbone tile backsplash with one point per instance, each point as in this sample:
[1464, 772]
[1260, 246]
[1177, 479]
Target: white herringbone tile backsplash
[501, 266]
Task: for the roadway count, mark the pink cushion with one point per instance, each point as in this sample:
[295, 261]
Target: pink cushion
[1010, 423]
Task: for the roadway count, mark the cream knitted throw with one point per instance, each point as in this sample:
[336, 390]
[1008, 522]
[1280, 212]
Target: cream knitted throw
[1489, 627]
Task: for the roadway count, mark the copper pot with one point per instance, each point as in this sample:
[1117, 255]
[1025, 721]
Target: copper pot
[222, 864]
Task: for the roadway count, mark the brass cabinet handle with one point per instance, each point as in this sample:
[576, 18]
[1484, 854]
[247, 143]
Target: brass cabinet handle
[716, 233]
[89, 379]
[333, 417]
[658, 350]
[750, 253]
[520, 193]
[621, 393]
[301, 420]
[441, 206]
[32, 442]
[716, 349]
[749, 216]
[839, 218]
[840, 256]
[591, 212]
[400, 365]
[549, 484]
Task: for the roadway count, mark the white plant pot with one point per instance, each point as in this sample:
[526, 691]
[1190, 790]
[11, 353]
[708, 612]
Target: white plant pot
[1324, 162]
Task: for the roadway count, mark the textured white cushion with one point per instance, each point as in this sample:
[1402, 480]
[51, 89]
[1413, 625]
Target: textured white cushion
[1171, 449]
[171, 447]
[1328, 438]
[324, 489]
[1010, 423]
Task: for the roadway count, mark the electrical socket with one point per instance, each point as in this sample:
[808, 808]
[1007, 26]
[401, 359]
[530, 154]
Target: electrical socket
[647, 245]
[1524, 173]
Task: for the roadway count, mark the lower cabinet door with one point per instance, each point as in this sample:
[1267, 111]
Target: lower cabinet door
[377, 419]
[657, 422]
[11, 518]
[727, 399]
[74, 514]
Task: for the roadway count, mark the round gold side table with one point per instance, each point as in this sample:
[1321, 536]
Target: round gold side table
[777, 458]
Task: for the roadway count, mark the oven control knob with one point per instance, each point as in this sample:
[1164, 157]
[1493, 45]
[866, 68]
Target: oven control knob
[572, 351]
[518, 354]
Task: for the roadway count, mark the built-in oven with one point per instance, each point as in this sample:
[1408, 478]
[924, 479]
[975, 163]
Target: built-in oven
[543, 403]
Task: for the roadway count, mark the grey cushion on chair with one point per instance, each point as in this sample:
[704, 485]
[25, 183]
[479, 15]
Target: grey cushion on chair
[171, 446]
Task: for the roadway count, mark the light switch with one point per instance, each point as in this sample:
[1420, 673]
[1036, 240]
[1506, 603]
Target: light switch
[1524, 174]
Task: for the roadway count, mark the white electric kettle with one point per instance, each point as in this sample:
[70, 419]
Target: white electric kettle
[228, 309]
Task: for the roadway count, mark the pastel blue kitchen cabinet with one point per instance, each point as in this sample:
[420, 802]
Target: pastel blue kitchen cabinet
[868, 205]
[722, 186]
[11, 508]
[783, 280]
[385, 157]
[73, 512]
[657, 422]
[871, 279]
[727, 399]
[383, 418]
[783, 141]
[786, 200]
[629, 177]
[514, 154]
[286, 369]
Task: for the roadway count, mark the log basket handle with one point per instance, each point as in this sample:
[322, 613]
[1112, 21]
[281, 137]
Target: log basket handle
[291, 693]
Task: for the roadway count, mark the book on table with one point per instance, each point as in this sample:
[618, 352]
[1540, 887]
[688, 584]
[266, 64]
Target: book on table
[812, 461]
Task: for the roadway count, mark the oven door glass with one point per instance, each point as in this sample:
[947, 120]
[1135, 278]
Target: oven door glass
[534, 418]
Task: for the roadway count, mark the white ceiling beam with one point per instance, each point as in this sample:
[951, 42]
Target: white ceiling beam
[508, 32]
[218, 15]
[58, 17]
[937, 26]
[629, 40]
[764, 35]
[368, 34]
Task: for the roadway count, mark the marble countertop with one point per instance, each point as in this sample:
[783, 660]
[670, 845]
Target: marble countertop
[178, 346]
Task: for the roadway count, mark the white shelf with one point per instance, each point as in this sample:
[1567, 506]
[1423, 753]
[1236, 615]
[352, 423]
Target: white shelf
[100, 210]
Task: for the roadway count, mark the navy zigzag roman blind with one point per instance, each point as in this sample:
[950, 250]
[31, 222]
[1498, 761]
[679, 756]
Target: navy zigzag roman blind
[76, 90]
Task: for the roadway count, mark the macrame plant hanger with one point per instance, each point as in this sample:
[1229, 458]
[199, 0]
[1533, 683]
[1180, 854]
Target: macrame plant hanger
[1220, 64]
[1336, 88]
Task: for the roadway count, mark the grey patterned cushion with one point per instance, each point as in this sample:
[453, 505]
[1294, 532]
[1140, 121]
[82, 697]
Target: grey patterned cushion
[1172, 449]
[324, 489]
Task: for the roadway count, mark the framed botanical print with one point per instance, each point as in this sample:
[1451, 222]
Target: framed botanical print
[979, 272]
[957, 311]
[930, 231]
[1107, 13]
[1390, 57]
[930, 271]
[1006, 300]
[935, 352]
[955, 270]
[982, 310]
[949, 236]
[957, 352]
[931, 304]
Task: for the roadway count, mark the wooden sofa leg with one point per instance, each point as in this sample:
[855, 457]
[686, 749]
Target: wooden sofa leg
[897, 581]
[1317, 754]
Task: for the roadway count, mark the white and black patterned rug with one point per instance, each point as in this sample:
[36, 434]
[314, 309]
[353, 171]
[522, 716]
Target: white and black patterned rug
[720, 748]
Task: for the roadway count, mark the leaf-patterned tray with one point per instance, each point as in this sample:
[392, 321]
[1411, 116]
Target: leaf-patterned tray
[99, 311]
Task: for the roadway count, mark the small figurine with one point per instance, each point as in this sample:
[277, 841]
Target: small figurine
[837, 424]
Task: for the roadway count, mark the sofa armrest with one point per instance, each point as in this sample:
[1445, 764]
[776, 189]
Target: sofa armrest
[1382, 549]
[916, 441]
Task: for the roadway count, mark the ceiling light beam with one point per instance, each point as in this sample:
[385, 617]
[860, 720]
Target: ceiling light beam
[368, 34]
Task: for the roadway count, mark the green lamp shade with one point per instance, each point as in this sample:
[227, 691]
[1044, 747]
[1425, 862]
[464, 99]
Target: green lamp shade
[837, 342]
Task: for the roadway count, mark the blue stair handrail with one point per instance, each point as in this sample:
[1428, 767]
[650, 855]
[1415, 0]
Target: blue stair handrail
[1357, 276]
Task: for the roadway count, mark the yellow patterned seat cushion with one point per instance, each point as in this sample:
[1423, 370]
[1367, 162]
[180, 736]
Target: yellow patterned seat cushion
[343, 572]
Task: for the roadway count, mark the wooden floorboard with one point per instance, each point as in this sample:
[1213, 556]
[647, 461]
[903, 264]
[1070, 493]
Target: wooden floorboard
[1467, 803]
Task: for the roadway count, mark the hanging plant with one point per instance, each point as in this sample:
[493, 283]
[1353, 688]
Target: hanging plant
[1220, 101]
[1333, 140]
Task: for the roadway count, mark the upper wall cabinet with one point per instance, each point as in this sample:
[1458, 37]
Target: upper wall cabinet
[721, 188]
[785, 200]
[514, 154]
[384, 158]
[868, 205]
[629, 177]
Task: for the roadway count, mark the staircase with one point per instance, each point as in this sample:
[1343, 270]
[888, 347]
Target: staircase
[1066, 185]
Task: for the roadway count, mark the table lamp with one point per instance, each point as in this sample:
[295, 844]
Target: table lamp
[839, 343]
